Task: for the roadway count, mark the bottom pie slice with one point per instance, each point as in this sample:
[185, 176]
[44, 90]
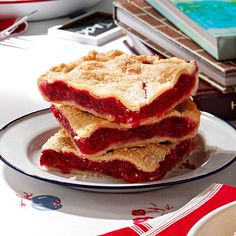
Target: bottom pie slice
[137, 164]
[93, 135]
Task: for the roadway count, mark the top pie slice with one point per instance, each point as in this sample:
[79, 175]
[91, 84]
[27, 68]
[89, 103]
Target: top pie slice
[119, 87]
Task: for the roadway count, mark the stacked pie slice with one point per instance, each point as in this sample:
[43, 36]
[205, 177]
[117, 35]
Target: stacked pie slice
[121, 115]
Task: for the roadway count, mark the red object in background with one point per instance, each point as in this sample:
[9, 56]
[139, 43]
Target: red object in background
[21, 1]
[4, 24]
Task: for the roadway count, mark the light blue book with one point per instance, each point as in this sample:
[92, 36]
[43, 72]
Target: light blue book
[211, 24]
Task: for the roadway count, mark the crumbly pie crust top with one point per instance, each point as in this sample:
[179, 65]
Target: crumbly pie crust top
[144, 157]
[134, 80]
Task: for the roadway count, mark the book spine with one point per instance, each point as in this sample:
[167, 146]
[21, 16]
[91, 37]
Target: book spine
[218, 104]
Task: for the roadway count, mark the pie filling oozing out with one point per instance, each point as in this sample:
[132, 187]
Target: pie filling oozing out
[138, 164]
[93, 135]
[119, 87]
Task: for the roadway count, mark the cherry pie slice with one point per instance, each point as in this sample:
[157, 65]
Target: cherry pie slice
[119, 87]
[94, 135]
[138, 164]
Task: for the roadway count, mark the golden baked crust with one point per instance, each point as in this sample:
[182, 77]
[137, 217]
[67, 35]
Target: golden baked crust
[93, 135]
[84, 123]
[145, 157]
[135, 81]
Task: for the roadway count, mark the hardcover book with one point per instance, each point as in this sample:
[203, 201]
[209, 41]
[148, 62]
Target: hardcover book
[212, 24]
[140, 18]
[211, 100]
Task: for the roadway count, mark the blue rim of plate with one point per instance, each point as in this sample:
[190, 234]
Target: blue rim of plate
[131, 186]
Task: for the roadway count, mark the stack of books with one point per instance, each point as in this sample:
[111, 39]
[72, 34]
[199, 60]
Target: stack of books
[157, 30]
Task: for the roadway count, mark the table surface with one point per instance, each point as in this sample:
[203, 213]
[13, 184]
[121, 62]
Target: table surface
[82, 212]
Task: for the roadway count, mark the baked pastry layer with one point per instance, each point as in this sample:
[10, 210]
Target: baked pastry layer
[120, 87]
[93, 135]
[142, 163]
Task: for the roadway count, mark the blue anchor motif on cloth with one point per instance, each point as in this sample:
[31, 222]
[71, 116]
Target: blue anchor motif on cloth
[46, 202]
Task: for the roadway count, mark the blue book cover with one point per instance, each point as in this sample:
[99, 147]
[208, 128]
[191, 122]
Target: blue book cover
[211, 24]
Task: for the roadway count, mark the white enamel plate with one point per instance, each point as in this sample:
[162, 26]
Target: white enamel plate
[22, 139]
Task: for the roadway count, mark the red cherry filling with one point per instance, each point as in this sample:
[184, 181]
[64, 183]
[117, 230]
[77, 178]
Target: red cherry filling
[171, 127]
[66, 162]
[60, 92]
